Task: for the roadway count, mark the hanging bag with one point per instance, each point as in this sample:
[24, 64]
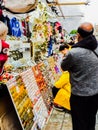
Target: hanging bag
[20, 6]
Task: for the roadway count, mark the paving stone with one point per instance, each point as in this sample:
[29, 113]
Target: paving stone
[53, 126]
[56, 116]
[61, 121]
[57, 112]
[67, 124]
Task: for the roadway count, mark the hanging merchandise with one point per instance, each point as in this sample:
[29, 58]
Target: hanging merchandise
[28, 33]
[1, 15]
[59, 33]
[15, 27]
[20, 6]
[23, 22]
[50, 46]
[7, 22]
[41, 31]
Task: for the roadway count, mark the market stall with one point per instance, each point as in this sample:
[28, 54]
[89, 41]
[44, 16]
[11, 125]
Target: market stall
[32, 66]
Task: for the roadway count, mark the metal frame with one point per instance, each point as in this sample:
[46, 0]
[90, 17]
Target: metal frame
[57, 3]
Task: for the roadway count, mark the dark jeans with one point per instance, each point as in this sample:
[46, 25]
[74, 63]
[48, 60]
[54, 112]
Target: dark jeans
[83, 111]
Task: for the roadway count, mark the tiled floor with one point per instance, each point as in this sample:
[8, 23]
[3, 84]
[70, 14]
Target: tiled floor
[60, 121]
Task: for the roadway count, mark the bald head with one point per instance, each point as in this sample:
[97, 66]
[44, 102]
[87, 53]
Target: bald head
[86, 26]
[85, 29]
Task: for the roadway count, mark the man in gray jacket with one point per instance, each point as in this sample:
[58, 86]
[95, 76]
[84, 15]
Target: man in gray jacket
[82, 63]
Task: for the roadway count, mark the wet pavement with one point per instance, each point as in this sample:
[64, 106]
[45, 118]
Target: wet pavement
[60, 121]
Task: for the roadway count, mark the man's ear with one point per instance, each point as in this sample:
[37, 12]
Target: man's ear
[79, 37]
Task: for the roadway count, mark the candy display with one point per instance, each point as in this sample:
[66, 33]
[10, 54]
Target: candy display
[31, 92]
[28, 99]
[22, 102]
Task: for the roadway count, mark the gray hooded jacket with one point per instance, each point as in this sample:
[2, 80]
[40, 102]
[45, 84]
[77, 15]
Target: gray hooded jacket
[82, 64]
